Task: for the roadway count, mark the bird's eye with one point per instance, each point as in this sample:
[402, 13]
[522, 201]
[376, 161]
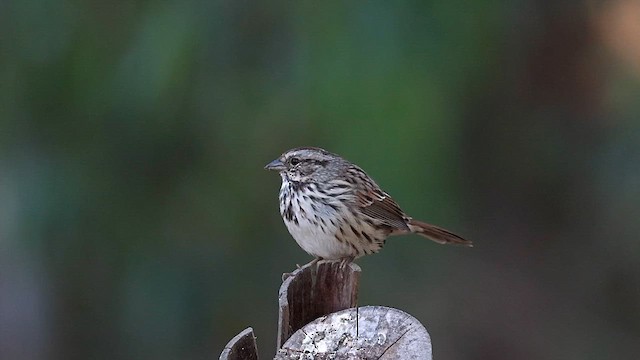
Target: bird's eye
[294, 161]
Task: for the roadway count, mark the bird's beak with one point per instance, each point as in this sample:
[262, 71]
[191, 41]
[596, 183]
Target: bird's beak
[275, 165]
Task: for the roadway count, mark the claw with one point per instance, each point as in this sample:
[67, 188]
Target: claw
[314, 261]
[346, 261]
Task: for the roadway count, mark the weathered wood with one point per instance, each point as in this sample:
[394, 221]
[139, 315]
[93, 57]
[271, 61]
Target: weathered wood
[315, 290]
[370, 332]
[241, 347]
[319, 320]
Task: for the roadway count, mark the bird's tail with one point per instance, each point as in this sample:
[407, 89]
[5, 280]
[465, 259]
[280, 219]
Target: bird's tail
[437, 234]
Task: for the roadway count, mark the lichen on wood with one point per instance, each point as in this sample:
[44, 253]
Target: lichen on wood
[370, 332]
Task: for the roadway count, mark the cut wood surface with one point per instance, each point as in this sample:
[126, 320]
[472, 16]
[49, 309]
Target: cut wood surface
[370, 332]
[315, 290]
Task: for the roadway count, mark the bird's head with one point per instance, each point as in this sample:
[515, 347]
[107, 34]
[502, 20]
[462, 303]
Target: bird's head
[306, 164]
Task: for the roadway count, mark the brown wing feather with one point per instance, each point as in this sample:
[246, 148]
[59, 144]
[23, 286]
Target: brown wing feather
[379, 205]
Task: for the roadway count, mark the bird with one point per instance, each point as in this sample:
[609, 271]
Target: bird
[335, 211]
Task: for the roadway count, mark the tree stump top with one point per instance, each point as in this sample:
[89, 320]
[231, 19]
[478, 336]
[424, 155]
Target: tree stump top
[370, 332]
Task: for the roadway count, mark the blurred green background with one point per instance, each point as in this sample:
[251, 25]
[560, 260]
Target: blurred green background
[137, 222]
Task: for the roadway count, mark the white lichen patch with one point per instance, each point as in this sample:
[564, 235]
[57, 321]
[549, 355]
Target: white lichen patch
[380, 332]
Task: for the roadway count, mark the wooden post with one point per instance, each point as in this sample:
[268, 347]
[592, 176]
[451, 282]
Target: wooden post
[315, 290]
[241, 347]
[319, 319]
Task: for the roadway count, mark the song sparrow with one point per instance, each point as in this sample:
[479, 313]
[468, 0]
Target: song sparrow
[334, 210]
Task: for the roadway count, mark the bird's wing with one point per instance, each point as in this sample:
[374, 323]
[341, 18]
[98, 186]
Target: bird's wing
[378, 205]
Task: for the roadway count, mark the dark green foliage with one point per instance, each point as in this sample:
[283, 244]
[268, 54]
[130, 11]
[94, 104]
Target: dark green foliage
[136, 221]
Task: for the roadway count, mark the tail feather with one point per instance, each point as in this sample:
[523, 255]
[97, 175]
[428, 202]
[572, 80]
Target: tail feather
[437, 234]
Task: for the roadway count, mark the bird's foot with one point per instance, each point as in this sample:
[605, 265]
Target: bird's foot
[346, 261]
[313, 262]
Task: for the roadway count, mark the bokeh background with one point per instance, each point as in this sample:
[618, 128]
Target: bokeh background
[137, 222]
